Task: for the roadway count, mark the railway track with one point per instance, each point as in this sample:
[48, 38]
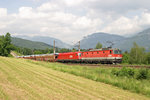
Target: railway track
[110, 65]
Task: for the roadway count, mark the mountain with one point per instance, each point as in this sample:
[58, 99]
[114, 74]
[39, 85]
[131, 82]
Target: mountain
[47, 40]
[29, 44]
[91, 40]
[141, 38]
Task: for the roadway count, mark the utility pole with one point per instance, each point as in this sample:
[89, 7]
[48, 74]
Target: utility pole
[54, 50]
[54, 47]
[79, 46]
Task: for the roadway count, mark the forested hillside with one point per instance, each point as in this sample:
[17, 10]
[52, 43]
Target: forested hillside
[47, 40]
[29, 44]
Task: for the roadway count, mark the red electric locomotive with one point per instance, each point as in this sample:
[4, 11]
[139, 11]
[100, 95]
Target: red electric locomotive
[68, 57]
[104, 55]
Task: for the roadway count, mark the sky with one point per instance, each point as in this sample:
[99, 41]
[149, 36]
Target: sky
[71, 20]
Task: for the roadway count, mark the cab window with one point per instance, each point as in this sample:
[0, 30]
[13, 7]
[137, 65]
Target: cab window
[117, 51]
[110, 52]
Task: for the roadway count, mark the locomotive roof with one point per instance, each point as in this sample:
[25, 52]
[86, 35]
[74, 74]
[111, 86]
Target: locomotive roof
[104, 49]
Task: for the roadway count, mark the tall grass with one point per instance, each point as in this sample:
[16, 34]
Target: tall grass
[135, 80]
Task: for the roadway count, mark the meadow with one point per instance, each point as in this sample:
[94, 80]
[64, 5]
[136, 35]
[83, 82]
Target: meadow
[22, 79]
[133, 79]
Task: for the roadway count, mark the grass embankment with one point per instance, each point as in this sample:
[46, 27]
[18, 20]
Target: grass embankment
[28, 80]
[135, 80]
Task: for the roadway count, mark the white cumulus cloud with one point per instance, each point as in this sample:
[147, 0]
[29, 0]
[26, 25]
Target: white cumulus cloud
[3, 12]
[70, 20]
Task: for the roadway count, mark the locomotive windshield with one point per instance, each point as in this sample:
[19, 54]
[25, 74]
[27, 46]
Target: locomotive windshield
[117, 51]
[79, 54]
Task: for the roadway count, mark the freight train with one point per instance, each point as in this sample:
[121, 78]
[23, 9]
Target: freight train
[104, 55]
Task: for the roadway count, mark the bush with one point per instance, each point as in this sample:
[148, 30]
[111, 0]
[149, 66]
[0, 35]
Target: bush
[115, 72]
[142, 74]
[131, 72]
[128, 72]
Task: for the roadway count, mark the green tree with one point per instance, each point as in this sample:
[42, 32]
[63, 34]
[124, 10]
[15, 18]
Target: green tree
[98, 45]
[38, 52]
[27, 51]
[51, 50]
[1, 45]
[137, 54]
[64, 50]
[83, 50]
[47, 51]
[148, 58]
[5, 45]
[74, 50]
[125, 58]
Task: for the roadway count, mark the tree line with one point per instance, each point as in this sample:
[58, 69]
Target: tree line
[27, 51]
[137, 55]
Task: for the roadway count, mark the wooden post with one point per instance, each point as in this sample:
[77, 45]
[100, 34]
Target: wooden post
[54, 50]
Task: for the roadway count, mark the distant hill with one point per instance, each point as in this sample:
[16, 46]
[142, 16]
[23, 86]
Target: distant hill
[141, 38]
[91, 40]
[29, 44]
[47, 40]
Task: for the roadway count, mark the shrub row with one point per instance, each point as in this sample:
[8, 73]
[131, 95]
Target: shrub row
[142, 73]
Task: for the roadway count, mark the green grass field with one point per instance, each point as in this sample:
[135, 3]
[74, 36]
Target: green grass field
[29, 80]
[126, 79]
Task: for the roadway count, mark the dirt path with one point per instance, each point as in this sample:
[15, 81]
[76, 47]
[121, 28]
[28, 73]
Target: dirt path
[13, 54]
[22, 80]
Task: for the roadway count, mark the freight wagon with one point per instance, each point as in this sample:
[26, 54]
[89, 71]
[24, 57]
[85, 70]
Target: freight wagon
[41, 57]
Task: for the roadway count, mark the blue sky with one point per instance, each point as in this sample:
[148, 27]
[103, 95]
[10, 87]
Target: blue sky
[70, 20]
[14, 5]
